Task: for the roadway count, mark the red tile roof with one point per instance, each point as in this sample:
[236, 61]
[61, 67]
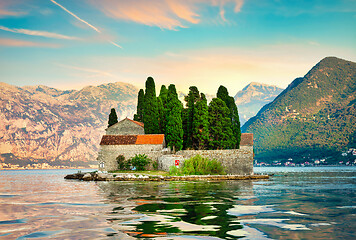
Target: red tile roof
[132, 139]
[246, 139]
[138, 123]
[118, 139]
[150, 139]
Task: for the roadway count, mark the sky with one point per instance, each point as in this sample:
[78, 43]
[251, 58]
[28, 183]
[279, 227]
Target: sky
[70, 44]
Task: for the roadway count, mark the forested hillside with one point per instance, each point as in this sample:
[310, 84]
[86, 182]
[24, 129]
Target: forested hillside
[314, 116]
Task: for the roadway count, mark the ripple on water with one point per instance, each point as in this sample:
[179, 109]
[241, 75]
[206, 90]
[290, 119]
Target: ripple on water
[275, 222]
[7, 195]
[43, 234]
[240, 210]
[16, 221]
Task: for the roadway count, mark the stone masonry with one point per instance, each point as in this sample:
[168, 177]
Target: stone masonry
[126, 127]
[108, 154]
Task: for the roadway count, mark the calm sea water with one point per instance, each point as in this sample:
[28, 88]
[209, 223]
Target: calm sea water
[296, 203]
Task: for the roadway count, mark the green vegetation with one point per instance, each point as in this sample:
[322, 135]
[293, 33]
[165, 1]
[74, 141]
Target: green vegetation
[112, 117]
[221, 135]
[314, 117]
[145, 172]
[200, 131]
[191, 99]
[162, 108]
[140, 106]
[140, 161]
[174, 128]
[198, 165]
[123, 164]
[234, 114]
[150, 112]
[195, 127]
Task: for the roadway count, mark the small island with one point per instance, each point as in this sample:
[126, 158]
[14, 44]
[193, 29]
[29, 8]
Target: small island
[163, 136]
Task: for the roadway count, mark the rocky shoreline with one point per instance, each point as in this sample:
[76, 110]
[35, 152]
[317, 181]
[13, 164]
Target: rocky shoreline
[97, 176]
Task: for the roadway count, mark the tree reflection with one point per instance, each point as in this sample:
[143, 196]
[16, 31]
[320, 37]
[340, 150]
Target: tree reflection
[177, 208]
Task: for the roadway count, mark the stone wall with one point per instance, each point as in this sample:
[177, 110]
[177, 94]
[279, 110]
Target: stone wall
[235, 161]
[166, 161]
[108, 154]
[125, 127]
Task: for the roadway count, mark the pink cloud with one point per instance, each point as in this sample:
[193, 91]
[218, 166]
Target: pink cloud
[8, 42]
[4, 11]
[168, 14]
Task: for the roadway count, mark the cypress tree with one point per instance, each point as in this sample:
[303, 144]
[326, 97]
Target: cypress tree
[234, 114]
[201, 124]
[161, 116]
[185, 126]
[221, 135]
[162, 111]
[140, 106]
[150, 113]
[191, 100]
[163, 95]
[174, 128]
[112, 117]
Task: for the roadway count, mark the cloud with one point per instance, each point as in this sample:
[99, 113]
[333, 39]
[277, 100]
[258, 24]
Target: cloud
[5, 12]
[167, 14]
[8, 42]
[83, 21]
[37, 33]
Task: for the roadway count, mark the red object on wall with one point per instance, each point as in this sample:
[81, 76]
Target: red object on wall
[177, 162]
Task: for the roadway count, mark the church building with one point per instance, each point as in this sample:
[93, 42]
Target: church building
[128, 138]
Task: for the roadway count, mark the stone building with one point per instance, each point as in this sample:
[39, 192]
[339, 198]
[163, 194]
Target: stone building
[128, 138]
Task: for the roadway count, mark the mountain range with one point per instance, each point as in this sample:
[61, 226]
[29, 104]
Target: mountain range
[314, 116]
[43, 124]
[253, 97]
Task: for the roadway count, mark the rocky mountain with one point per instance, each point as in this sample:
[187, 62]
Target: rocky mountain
[43, 124]
[253, 97]
[314, 116]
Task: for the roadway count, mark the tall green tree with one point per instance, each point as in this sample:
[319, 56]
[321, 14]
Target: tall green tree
[163, 93]
[150, 113]
[221, 135]
[200, 124]
[191, 99]
[162, 102]
[223, 94]
[112, 117]
[174, 128]
[140, 106]
[161, 116]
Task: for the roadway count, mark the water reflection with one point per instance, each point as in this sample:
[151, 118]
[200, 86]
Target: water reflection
[294, 204]
[176, 209]
[291, 205]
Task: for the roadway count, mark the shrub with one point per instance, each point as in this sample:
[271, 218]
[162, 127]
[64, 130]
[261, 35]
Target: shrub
[140, 161]
[198, 165]
[173, 170]
[123, 164]
[155, 165]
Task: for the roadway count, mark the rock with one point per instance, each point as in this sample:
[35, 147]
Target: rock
[74, 176]
[87, 177]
